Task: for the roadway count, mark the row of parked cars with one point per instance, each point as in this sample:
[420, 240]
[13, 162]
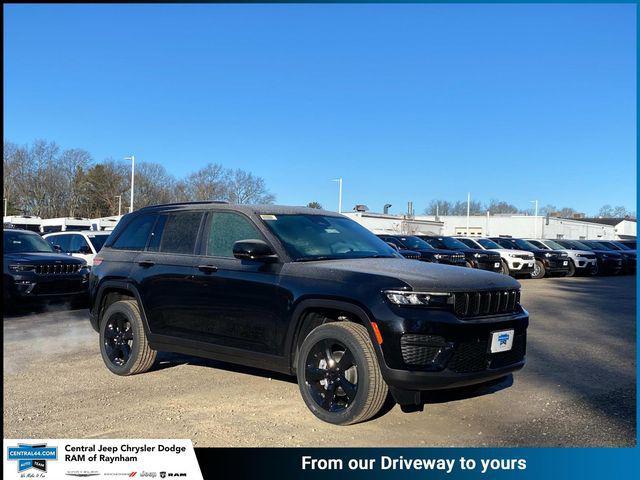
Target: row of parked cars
[520, 257]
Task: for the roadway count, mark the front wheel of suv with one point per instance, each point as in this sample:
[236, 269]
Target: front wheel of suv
[538, 270]
[338, 374]
[572, 269]
[504, 268]
[123, 342]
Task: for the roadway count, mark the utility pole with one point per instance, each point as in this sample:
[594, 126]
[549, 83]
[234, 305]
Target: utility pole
[5, 206]
[133, 165]
[119, 197]
[468, 210]
[535, 220]
[339, 180]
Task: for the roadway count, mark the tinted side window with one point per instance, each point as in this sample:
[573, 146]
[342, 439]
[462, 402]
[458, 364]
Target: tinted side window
[134, 236]
[225, 229]
[180, 232]
[62, 241]
[77, 242]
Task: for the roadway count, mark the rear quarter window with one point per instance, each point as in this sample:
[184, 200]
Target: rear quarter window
[134, 236]
[180, 232]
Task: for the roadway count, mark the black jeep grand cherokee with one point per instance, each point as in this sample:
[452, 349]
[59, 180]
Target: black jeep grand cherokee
[305, 292]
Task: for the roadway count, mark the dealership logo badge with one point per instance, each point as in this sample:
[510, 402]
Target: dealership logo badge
[32, 456]
[503, 338]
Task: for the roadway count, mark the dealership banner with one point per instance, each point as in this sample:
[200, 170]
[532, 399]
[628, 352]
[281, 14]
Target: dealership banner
[57, 459]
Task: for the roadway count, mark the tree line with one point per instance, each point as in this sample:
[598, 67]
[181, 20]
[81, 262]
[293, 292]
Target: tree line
[48, 181]
[494, 207]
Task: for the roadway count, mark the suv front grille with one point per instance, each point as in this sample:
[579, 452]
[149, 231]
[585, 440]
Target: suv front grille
[474, 356]
[474, 304]
[57, 268]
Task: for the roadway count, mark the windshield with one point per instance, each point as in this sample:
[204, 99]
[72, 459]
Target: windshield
[319, 237]
[19, 242]
[415, 243]
[611, 246]
[490, 244]
[523, 244]
[601, 245]
[581, 246]
[554, 245]
[622, 246]
[447, 243]
[98, 241]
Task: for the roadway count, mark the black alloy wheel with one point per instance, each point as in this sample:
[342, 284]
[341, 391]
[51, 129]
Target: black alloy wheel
[118, 339]
[331, 375]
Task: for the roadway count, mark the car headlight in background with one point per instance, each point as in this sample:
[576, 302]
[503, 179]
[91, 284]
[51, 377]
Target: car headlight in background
[425, 299]
[21, 268]
[548, 255]
[438, 256]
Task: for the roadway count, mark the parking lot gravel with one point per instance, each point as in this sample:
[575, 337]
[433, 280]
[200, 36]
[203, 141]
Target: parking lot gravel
[578, 388]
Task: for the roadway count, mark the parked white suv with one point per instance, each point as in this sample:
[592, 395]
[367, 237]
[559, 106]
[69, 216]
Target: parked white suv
[581, 261]
[514, 262]
[84, 244]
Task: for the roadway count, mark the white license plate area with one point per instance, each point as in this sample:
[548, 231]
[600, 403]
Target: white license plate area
[501, 341]
[565, 263]
[496, 265]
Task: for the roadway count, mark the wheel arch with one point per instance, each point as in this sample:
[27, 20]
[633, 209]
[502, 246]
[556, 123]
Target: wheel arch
[302, 323]
[112, 291]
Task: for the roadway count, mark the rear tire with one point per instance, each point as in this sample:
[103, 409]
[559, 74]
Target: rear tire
[338, 374]
[123, 342]
[538, 270]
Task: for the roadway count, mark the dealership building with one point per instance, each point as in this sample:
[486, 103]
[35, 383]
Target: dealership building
[530, 226]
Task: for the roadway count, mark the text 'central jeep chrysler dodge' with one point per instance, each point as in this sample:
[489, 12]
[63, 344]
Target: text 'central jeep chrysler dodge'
[305, 292]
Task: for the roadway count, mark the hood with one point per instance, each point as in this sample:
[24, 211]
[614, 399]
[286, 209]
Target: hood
[41, 257]
[419, 275]
[516, 252]
[493, 253]
[579, 252]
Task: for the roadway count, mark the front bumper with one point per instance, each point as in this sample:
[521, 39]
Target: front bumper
[433, 349]
[29, 285]
[556, 265]
[610, 266]
[492, 265]
[521, 265]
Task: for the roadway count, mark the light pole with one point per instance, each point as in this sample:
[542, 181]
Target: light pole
[119, 197]
[133, 165]
[339, 180]
[535, 220]
[468, 210]
[5, 206]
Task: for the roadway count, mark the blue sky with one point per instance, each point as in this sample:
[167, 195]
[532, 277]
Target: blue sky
[406, 102]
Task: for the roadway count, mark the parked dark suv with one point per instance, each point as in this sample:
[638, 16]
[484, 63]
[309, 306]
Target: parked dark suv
[547, 262]
[428, 253]
[304, 292]
[32, 270]
[474, 257]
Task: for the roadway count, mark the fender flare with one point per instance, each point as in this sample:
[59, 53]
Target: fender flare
[346, 306]
[120, 285]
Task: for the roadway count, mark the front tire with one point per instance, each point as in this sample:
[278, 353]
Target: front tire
[538, 270]
[468, 264]
[338, 374]
[123, 342]
[505, 268]
[572, 269]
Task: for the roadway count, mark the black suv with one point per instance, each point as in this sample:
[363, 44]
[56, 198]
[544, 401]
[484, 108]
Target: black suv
[305, 292]
[629, 257]
[32, 270]
[547, 262]
[608, 262]
[427, 252]
[474, 257]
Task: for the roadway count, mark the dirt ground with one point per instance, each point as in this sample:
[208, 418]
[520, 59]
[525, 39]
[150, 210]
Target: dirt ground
[577, 389]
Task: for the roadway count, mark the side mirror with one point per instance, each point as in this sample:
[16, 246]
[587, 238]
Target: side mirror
[253, 250]
[393, 245]
[57, 248]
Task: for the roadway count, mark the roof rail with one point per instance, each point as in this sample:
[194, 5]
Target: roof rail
[199, 202]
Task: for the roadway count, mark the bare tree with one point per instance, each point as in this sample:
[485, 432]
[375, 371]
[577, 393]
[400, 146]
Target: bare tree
[208, 183]
[314, 205]
[499, 206]
[243, 187]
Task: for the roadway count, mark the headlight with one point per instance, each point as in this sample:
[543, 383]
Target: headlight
[604, 255]
[513, 255]
[21, 268]
[548, 254]
[425, 299]
[438, 256]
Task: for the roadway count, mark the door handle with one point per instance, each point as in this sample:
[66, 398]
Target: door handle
[146, 263]
[208, 268]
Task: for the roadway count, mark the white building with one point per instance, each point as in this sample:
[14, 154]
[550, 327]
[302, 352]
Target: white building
[624, 228]
[527, 226]
[396, 224]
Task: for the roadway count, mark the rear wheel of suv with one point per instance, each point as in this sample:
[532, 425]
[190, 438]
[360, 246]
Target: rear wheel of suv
[538, 270]
[572, 269]
[123, 343]
[338, 374]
